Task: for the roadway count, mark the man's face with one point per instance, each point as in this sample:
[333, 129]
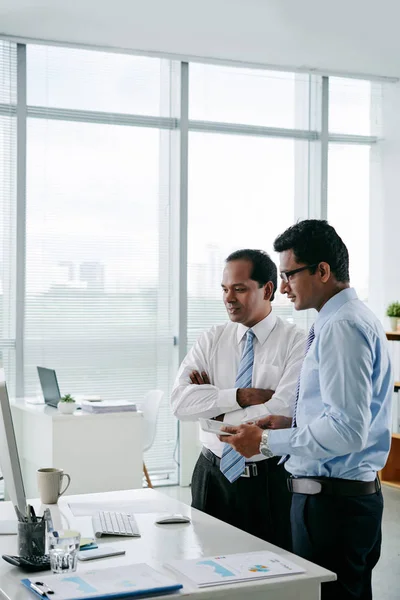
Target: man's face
[303, 288]
[244, 300]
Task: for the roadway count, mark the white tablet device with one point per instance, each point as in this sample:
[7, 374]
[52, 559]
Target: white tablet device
[213, 426]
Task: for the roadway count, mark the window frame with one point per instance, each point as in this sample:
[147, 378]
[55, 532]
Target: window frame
[310, 194]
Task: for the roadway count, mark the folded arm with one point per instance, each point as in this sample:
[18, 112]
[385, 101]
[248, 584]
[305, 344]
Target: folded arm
[280, 401]
[191, 401]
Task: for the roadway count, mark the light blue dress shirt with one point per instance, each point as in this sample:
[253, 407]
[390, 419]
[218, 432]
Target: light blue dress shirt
[344, 407]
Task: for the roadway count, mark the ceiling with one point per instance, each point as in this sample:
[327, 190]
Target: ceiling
[345, 36]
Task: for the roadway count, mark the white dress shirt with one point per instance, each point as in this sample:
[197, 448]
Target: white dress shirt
[278, 356]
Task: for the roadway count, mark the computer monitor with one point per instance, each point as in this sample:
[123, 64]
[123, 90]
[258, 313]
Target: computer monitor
[9, 459]
[49, 385]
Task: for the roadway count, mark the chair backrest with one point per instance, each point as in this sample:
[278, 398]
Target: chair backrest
[150, 407]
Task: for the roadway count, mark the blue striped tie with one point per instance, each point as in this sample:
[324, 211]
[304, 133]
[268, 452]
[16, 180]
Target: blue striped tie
[310, 339]
[232, 463]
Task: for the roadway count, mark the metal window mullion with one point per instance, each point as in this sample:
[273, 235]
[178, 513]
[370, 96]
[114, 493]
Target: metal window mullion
[346, 138]
[324, 147]
[253, 130]
[100, 117]
[183, 209]
[20, 220]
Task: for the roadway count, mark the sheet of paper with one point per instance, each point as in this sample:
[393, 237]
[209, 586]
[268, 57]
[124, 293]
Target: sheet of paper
[85, 509]
[97, 582]
[231, 568]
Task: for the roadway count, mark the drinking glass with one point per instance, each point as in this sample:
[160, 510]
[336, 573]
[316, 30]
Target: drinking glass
[63, 550]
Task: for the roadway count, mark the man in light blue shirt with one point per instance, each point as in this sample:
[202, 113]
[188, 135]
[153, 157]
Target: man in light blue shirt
[340, 435]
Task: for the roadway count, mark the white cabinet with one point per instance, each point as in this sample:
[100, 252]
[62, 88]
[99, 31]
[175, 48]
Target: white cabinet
[100, 452]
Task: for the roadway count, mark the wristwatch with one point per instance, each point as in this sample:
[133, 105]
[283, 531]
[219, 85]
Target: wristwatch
[264, 448]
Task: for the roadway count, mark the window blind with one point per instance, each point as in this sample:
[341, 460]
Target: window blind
[97, 285]
[8, 202]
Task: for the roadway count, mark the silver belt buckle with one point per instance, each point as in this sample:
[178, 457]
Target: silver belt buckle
[248, 473]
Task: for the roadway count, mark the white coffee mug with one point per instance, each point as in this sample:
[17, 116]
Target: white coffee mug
[49, 484]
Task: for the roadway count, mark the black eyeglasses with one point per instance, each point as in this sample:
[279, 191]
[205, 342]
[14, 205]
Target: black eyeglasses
[286, 274]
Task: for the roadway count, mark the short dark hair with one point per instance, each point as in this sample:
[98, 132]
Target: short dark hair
[314, 241]
[264, 269]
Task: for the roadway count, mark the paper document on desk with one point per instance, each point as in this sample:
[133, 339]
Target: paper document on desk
[234, 568]
[107, 406]
[115, 582]
[86, 509]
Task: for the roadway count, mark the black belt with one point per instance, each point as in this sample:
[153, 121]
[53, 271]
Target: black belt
[332, 486]
[250, 469]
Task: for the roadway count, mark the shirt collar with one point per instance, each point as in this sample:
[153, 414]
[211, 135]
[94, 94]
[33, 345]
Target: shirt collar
[262, 329]
[332, 306]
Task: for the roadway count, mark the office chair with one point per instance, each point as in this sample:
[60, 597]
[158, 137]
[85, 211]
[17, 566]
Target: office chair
[150, 407]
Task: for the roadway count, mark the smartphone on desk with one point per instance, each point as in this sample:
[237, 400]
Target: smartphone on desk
[101, 552]
[212, 426]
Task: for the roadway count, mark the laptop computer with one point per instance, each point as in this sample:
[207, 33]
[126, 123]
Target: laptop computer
[49, 385]
[51, 389]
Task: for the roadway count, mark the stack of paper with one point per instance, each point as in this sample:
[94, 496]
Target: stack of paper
[234, 568]
[107, 406]
[114, 582]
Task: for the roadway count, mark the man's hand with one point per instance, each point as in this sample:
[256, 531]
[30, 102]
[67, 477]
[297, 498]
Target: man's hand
[199, 379]
[246, 439]
[252, 396]
[274, 422]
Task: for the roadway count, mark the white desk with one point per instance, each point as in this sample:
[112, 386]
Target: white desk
[205, 536]
[100, 452]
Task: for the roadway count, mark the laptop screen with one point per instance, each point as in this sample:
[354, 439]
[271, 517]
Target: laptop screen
[49, 385]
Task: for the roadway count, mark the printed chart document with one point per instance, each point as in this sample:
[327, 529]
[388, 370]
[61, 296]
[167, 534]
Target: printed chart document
[232, 568]
[115, 582]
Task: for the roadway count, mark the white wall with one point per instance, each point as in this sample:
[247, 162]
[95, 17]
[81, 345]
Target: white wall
[360, 36]
[385, 208]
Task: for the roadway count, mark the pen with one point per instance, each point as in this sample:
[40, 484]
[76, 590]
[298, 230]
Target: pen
[48, 519]
[48, 589]
[37, 589]
[32, 513]
[28, 513]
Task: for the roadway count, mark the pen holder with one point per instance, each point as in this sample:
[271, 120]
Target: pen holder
[32, 538]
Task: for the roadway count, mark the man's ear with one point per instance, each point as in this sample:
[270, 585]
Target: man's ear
[324, 270]
[268, 290]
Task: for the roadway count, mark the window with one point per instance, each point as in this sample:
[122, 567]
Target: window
[348, 207]
[97, 286]
[96, 81]
[350, 106]
[8, 202]
[236, 184]
[102, 204]
[251, 97]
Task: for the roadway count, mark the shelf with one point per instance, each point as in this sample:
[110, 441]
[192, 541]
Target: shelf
[394, 484]
[393, 335]
[390, 474]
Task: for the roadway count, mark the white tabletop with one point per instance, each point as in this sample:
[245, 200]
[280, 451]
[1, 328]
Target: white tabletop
[42, 409]
[204, 536]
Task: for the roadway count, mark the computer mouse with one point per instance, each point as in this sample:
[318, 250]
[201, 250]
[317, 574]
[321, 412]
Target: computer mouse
[172, 519]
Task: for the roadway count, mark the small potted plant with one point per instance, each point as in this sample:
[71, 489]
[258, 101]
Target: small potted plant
[67, 404]
[393, 312]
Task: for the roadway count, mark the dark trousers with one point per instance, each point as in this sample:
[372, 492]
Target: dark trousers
[259, 505]
[342, 534]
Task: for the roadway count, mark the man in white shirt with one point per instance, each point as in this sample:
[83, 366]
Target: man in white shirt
[258, 500]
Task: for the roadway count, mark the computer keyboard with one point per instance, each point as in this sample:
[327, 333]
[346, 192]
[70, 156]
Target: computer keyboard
[114, 523]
